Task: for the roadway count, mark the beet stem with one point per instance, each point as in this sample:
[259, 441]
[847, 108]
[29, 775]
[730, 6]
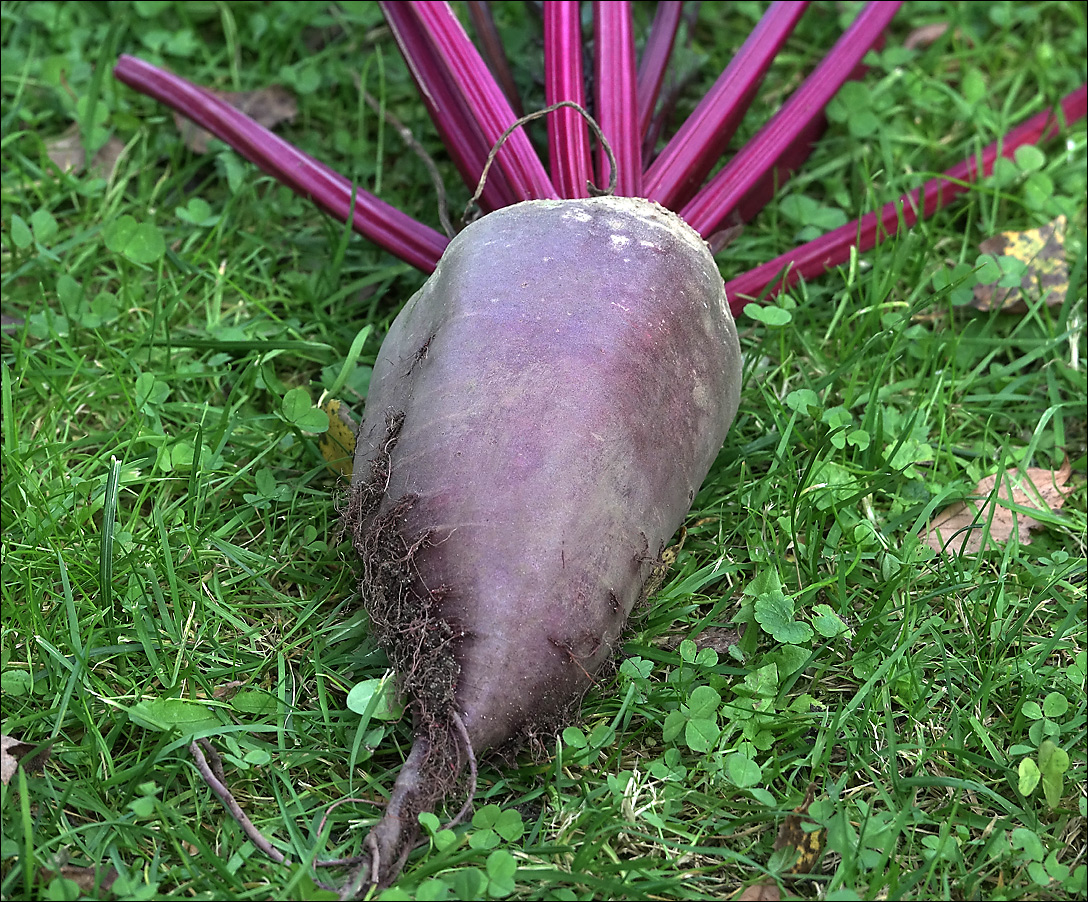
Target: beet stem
[689, 156]
[472, 81]
[568, 140]
[792, 158]
[761, 193]
[554, 108]
[617, 105]
[382, 223]
[713, 204]
[655, 60]
[833, 249]
[449, 111]
[491, 48]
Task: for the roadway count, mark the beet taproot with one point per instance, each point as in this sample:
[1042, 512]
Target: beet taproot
[540, 417]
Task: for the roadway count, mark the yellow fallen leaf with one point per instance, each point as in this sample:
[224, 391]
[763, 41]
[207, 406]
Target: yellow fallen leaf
[338, 444]
[1042, 251]
[961, 528]
[792, 835]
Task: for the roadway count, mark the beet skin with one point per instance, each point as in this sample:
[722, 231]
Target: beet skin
[539, 420]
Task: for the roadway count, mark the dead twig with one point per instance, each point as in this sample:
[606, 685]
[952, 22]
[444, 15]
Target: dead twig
[210, 766]
[214, 777]
[413, 145]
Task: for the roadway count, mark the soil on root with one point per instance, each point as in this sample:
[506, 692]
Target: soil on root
[404, 614]
[406, 620]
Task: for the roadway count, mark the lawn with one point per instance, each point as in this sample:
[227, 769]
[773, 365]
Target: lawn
[816, 702]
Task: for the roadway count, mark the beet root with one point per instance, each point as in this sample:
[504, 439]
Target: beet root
[539, 420]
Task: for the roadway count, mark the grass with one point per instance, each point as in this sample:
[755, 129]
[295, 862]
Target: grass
[169, 565]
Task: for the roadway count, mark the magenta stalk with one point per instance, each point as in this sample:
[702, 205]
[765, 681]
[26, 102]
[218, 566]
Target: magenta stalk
[712, 206]
[655, 60]
[833, 249]
[683, 165]
[479, 11]
[382, 223]
[484, 98]
[448, 110]
[568, 136]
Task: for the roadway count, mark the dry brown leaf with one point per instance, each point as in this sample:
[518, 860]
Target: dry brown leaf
[87, 879]
[925, 35]
[11, 750]
[764, 891]
[719, 638]
[719, 241]
[268, 106]
[227, 691]
[14, 752]
[792, 834]
[66, 152]
[10, 323]
[1042, 250]
[960, 528]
